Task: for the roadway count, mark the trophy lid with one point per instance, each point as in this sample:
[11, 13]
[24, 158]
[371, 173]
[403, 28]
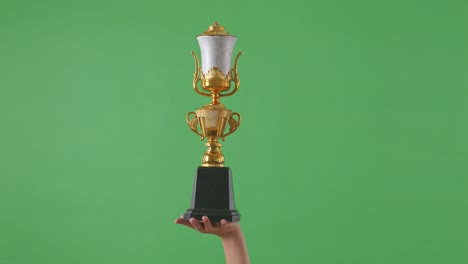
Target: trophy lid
[215, 30]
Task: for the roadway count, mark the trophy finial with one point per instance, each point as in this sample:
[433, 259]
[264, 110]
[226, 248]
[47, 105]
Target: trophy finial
[215, 30]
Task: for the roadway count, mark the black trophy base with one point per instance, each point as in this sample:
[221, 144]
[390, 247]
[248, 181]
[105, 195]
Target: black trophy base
[213, 195]
[215, 216]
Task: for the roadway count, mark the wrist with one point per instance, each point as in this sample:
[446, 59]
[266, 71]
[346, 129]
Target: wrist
[235, 248]
[234, 235]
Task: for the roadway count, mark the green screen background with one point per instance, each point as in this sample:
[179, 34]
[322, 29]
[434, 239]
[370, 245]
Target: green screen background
[353, 146]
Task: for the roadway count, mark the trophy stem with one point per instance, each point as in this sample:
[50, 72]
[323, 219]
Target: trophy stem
[214, 98]
[213, 156]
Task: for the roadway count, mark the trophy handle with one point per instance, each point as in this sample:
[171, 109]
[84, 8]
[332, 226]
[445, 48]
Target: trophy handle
[195, 76]
[235, 77]
[233, 125]
[192, 123]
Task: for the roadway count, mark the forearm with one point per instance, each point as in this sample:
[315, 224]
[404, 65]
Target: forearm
[235, 249]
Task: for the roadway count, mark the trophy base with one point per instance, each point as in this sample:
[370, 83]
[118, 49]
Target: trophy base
[213, 215]
[213, 195]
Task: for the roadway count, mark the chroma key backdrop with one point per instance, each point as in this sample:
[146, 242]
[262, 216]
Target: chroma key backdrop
[353, 146]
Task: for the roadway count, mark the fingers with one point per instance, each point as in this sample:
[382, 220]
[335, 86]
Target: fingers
[204, 226]
[181, 221]
[207, 223]
[224, 222]
[197, 225]
[180, 218]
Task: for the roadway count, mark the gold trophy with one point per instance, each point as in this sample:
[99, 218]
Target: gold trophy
[212, 192]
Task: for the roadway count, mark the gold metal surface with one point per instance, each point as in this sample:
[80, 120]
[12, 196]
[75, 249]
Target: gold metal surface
[196, 76]
[214, 81]
[214, 121]
[192, 123]
[233, 125]
[234, 77]
[215, 30]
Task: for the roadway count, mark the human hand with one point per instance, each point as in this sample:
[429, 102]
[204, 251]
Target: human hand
[231, 235]
[223, 229]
